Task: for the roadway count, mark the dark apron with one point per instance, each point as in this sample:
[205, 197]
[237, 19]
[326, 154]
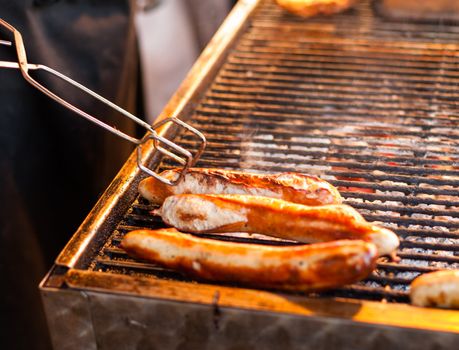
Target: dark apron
[53, 163]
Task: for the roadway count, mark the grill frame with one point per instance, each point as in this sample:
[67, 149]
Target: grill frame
[70, 283]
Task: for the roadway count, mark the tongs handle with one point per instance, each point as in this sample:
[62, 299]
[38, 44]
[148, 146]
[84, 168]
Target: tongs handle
[181, 155]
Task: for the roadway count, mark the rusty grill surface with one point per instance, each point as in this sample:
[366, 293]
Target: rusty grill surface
[367, 104]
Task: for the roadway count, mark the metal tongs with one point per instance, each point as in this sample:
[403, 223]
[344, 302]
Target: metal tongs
[176, 152]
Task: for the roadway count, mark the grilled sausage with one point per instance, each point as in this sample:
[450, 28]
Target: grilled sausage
[309, 8]
[293, 187]
[437, 289]
[273, 217]
[306, 267]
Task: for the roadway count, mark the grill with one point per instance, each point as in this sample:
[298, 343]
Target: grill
[363, 102]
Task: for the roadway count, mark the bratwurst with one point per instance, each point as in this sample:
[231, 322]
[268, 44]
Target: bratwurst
[309, 8]
[273, 217]
[436, 289]
[306, 267]
[293, 187]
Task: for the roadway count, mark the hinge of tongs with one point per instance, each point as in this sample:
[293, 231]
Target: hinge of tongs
[176, 152]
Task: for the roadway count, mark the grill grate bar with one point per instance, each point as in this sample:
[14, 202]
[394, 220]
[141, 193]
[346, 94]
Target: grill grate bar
[228, 109]
[363, 131]
[368, 87]
[324, 51]
[411, 221]
[404, 232]
[429, 257]
[432, 246]
[376, 94]
[368, 78]
[405, 267]
[144, 267]
[336, 151]
[320, 32]
[404, 210]
[331, 82]
[371, 293]
[423, 150]
[389, 281]
[406, 200]
[381, 120]
[407, 48]
[317, 56]
[338, 65]
[331, 103]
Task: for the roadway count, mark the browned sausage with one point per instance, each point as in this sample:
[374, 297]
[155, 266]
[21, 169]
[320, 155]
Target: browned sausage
[305, 267]
[293, 187]
[309, 8]
[273, 217]
[436, 289]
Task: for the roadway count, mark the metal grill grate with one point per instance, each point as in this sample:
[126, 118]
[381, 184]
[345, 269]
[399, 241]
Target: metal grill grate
[369, 105]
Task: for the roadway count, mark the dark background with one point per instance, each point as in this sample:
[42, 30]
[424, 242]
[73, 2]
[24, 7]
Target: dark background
[53, 163]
